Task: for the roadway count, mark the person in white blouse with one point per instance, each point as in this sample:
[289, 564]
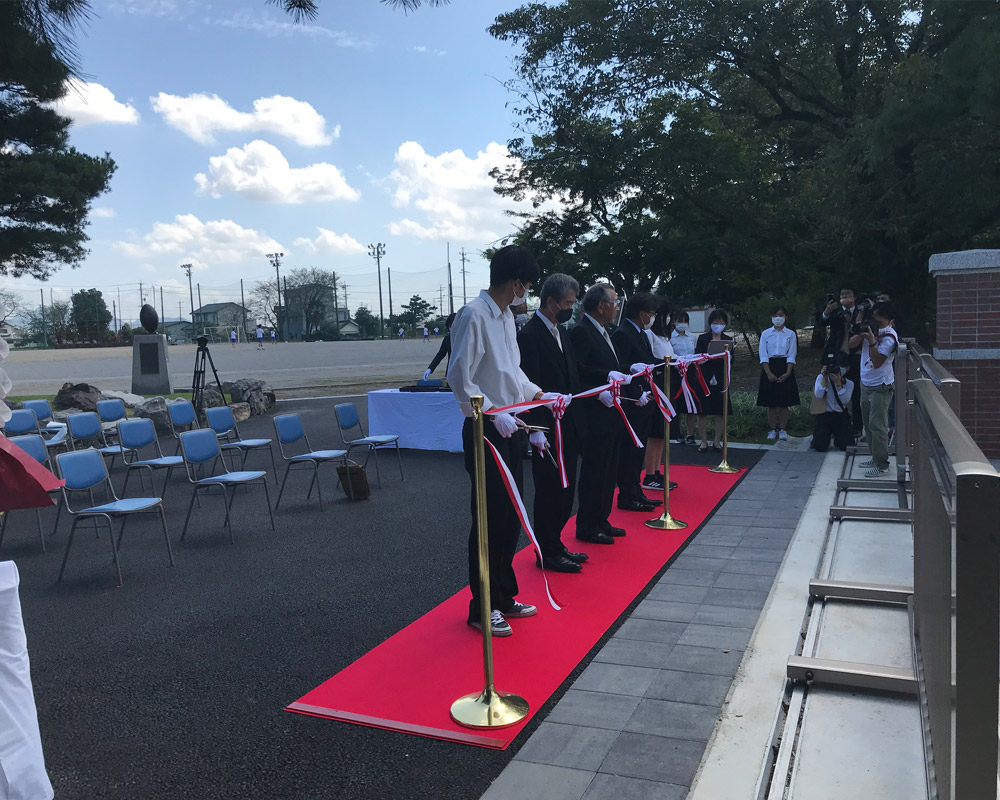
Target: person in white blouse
[485, 360]
[683, 342]
[778, 391]
[835, 390]
[658, 334]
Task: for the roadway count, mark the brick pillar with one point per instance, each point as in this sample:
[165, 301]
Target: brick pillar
[968, 336]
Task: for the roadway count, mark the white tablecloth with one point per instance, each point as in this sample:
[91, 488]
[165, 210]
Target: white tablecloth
[422, 420]
[22, 767]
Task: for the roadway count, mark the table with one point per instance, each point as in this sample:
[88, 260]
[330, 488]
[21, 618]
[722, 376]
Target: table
[422, 420]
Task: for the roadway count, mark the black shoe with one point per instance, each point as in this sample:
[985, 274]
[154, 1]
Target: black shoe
[634, 505]
[595, 537]
[673, 485]
[653, 501]
[611, 530]
[558, 564]
[579, 558]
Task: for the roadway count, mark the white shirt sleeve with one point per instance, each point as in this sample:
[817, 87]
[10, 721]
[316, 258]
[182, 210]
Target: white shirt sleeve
[846, 391]
[764, 342]
[793, 347]
[886, 344]
[467, 348]
[819, 390]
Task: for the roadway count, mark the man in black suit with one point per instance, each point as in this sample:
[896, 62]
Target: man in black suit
[596, 359]
[548, 360]
[634, 352]
[844, 318]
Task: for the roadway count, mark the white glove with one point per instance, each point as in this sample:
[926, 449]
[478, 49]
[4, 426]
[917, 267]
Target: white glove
[606, 399]
[537, 439]
[567, 398]
[505, 424]
[618, 376]
[427, 374]
[638, 367]
[643, 399]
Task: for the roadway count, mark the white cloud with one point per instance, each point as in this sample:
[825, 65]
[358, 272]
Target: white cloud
[273, 28]
[260, 172]
[91, 103]
[454, 192]
[330, 242]
[429, 51]
[201, 115]
[102, 213]
[146, 8]
[189, 239]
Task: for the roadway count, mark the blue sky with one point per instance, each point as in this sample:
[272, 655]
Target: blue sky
[237, 133]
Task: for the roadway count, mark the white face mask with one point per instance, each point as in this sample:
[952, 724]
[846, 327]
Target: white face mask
[649, 324]
[666, 320]
[682, 327]
[718, 327]
[777, 322]
[519, 298]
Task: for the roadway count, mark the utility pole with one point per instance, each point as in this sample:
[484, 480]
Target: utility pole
[440, 298]
[118, 322]
[179, 316]
[243, 305]
[114, 311]
[388, 271]
[285, 337]
[347, 308]
[451, 294]
[376, 251]
[163, 314]
[142, 297]
[187, 269]
[202, 316]
[275, 259]
[45, 328]
[465, 297]
[336, 303]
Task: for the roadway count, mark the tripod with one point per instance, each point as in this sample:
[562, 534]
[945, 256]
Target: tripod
[198, 383]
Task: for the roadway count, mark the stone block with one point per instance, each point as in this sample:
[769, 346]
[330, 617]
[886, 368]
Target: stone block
[256, 393]
[241, 411]
[80, 396]
[155, 408]
[150, 372]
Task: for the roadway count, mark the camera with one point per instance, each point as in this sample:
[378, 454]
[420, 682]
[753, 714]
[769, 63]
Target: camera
[830, 365]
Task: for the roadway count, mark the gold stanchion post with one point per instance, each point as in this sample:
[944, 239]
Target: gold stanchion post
[489, 708]
[724, 465]
[665, 522]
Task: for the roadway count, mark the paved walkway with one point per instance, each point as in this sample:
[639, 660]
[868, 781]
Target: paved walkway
[636, 722]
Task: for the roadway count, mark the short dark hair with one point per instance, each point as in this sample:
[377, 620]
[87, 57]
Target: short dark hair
[451, 318]
[776, 309]
[556, 286]
[660, 326]
[718, 315]
[513, 263]
[848, 288]
[639, 302]
[681, 316]
[596, 295]
[885, 309]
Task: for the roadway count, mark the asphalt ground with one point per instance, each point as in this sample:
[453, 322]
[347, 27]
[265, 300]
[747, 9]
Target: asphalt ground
[173, 686]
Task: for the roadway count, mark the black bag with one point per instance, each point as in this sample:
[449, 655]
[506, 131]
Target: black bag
[354, 480]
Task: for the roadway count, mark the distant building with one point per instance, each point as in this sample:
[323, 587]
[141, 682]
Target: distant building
[315, 304]
[213, 316]
[350, 330]
[178, 331]
[7, 331]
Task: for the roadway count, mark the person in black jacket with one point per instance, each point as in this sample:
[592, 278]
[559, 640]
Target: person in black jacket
[595, 359]
[444, 350]
[547, 358]
[714, 373]
[844, 318]
[634, 352]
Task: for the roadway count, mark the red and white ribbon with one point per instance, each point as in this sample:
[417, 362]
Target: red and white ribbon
[559, 405]
[515, 499]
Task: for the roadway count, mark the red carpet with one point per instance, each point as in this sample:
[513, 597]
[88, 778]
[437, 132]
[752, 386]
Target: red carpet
[409, 682]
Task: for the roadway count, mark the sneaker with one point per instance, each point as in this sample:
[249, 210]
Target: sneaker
[689, 440]
[782, 434]
[652, 482]
[875, 472]
[498, 625]
[772, 435]
[867, 464]
[520, 610]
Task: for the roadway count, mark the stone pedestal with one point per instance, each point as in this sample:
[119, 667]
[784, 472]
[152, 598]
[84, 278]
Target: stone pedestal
[968, 336]
[150, 373]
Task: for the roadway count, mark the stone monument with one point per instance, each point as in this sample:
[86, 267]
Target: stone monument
[150, 373]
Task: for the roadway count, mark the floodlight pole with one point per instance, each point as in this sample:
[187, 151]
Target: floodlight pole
[275, 259]
[187, 269]
[376, 251]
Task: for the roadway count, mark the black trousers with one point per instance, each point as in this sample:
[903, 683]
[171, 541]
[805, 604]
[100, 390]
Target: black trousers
[503, 526]
[835, 425]
[632, 458]
[598, 471]
[553, 504]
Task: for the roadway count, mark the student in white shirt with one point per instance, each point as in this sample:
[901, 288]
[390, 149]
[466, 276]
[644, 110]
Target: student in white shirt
[658, 334]
[485, 360]
[878, 355]
[834, 421]
[683, 342]
[778, 391]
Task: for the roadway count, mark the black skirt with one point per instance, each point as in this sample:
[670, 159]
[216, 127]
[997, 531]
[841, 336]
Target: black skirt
[714, 373]
[777, 395]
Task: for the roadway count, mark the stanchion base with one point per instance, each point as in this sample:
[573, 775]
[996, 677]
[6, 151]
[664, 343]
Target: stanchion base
[724, 468]
[490, 708]
[666, 523]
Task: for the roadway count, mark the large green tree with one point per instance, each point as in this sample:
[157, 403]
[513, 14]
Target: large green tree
[314, 295]
[415, 312]
[726, 152]
[90, 315]
[46, 187]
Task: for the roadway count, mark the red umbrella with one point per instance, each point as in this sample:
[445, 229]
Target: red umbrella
[24, 483]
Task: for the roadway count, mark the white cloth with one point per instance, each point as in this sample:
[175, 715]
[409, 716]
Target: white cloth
[551, 327]
[485, 358]
[22, 764]
[682, 343]
[603, 331]
[662, 349]
[783, 343]
[421, 420]
[505, 423]
[884, 375]
[846, 390]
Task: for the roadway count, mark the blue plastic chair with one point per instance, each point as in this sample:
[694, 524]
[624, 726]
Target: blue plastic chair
[22, 421]
[109, 411]
[182, 418]
[42, 409]
[85, 429]
[54, 433]
[136, 435]
[83, 470]
[34, 446]
[288, 429]
[347, 420]
[201, 447]
[220, 419]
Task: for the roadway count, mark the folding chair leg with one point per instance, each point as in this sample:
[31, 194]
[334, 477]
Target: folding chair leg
[128, 474]
[166, 536]
[319, 486]
[311, 482]
[399, 458]
[274, 466]
[166, 483]
[114, 552]
[283, 481]
[59, 505]
[267, 497]
[225, 504]
[190, 509]
[378, 472]
[3, 528]
[121, 530]
[69, 543]
[41, 536]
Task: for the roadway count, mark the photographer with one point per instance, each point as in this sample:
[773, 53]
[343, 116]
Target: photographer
[878, 342]
[833, 391]
[844, 318]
